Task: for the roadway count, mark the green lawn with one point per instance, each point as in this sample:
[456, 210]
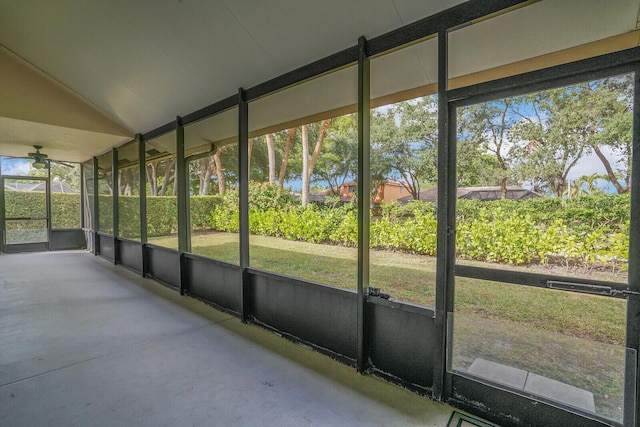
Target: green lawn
[411, 278]
[574, 338]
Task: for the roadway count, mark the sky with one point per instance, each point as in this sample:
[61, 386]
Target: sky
[588, 165]
[17, 167]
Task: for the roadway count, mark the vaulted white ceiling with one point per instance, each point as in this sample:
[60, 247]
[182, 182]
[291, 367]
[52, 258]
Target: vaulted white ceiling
[81, 77]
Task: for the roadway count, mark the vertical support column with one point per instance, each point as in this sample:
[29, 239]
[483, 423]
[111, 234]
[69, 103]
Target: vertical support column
[364, 196]
[83, 208]
[183, 214]
[445, 279]
[2, 205]
[633, 306]
[2, 220]
[48, 202]
[96, 208]
[115, 185]
[142, 192]
[243, 171]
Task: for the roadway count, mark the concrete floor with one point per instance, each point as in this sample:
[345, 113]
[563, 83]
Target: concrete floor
[83, 342]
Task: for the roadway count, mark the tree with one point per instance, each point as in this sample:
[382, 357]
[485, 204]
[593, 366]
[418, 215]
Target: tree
[404, 142]
[586, 185]
[271, 153]
[308, 164]
[305, 164]
[612, 105]
[66, 173]
[339, 160]
[161, 176]
[285, 156]
[487, 126]
[553, 138]
[128, 181]
[568, 123]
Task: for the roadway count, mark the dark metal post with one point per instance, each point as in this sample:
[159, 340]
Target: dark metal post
[116, 192]
[142, 193]
[364, 190]
[83, 208]
[243, 171]
[48, 202]
[183, 213]
[96, 208]
[446, 221]
[633, 306]
[2, 220]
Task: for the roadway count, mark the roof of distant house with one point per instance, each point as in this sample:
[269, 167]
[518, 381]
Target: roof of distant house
[56, 187]
[514, 192]
[393, 182]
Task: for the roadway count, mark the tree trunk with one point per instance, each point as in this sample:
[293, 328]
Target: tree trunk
[610, 173]
[316, 150]
[250, 149]
[271, 152]
[503, 187]
[218, 166]
[204, 176]
[560, 186]
[125, 178]
[305, 165]
[167, 178]
[175, 181]
[285, 157]
[152, 178]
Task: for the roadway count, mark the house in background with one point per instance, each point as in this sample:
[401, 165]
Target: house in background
[56, 187]
[348, 191]
[390, 190]
[514, 192]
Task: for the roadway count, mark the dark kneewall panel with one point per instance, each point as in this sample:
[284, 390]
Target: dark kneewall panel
[106, 246]
[498, 406]
[164, 265]
[130, 254]
[214, 281]
[401, 340]
[25, 247]
[316, 314]
[67, 239]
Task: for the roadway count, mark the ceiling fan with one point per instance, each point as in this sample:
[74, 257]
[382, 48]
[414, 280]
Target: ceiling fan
[39, 159]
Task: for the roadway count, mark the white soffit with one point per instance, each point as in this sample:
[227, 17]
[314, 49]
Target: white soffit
[331, 91]
[17, 138]
[37, 110]
[405, 69]
[540, 28]
[221, 128]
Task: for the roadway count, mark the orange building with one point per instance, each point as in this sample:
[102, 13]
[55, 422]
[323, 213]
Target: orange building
[387, 191]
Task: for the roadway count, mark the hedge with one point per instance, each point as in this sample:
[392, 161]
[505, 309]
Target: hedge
[585, 230]
[162, 214]
[65, 207]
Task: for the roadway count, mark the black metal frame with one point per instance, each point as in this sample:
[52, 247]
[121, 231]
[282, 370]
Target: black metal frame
[2, 213]
[622, 62]
[243, 173]
[25, 247]
[370, 309]
[364, 178]
[633, 306]
[116, 205]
